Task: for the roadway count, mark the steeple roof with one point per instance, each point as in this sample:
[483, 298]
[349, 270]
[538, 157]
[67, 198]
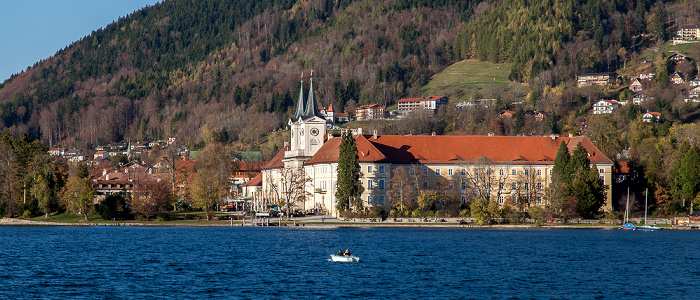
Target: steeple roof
[299, 114]
[311, 108]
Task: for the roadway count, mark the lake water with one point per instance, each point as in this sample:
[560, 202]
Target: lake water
[254, 263]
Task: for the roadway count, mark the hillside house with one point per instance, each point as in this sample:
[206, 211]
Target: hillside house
[432, 103]
[636, 85]
[100, 155]
[646, 76]
[688, 32]
[596, 79]
[506, 113]
[651, 116]
[677, 57]
[677, 78]
[639, 99]
[369, 112]
[605, 107]
[57, 151]
[695, 81]
[540, 115]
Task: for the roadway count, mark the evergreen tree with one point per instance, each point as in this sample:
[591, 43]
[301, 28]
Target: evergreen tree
[579, 160]
[349, 187]
[561, 163]
[587, 188]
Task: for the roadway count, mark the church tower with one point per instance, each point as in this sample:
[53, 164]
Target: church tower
[308, 128]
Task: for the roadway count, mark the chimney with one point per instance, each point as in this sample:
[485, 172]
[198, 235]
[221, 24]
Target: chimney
[375, 134]
[104, 172]
[107, 177]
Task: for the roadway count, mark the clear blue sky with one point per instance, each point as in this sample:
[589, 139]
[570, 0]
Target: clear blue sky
[32, 30]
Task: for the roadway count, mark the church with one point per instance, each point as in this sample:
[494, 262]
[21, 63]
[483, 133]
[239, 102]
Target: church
[304, 172]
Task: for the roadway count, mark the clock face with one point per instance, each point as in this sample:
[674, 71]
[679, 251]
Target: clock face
[314, 131]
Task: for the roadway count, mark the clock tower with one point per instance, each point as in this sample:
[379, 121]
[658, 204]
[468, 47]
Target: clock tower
[308, 128]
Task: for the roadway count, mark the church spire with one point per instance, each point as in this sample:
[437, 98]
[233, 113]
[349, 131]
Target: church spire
[311, 108]
[299, 114]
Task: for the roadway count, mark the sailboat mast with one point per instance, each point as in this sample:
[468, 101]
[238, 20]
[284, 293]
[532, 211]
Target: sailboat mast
[627, 207]
[646, 197]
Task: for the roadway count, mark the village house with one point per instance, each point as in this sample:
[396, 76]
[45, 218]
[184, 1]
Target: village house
[605, 107]
[57, 151]
[639, 99]
[369, 112]
[636, 85]
[678, 57]
[100, 155]
[695, 81]
[540, 115]
[651, 116]
[306, 170]
[646, 76]
[75, 155]
[688, 32]
[506, 113]
[677, 78]
[432, 103]
[596, 79]
[125, 178]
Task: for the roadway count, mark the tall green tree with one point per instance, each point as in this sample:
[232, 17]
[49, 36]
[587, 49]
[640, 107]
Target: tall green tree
[349, 186]
[78, 195]
[561, 163]
[587, 188]
[690, 174]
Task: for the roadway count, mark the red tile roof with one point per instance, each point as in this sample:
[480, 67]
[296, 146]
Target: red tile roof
[255, 181]
[457, 149]
[276, 161]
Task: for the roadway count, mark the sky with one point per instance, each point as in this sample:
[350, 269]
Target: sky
[32, 30]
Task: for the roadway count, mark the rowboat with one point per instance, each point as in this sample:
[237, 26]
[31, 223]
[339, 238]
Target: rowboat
[344, 258]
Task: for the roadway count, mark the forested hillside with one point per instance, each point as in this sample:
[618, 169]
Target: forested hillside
[228, 70]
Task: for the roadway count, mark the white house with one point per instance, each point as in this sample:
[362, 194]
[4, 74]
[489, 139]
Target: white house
[651, 116]
[605, 107]
[636, 85]
[640, 98]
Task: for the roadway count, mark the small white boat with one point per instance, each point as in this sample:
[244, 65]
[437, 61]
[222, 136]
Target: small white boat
[344, 258]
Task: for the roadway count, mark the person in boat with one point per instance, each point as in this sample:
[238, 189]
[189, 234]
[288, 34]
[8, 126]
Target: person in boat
[340, 252]
[347, 252]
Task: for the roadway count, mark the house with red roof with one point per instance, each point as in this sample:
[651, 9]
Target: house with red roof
[651, 116]
[369, 112]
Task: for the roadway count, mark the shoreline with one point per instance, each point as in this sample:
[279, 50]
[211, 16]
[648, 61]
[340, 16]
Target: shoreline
[328, 224]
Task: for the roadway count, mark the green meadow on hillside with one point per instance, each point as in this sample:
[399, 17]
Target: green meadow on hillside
[467, 79]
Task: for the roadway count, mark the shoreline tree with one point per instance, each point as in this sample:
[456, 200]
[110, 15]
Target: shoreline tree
[349, 188]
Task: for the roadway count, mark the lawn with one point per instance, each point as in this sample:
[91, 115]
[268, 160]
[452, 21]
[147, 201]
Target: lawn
[464, 79]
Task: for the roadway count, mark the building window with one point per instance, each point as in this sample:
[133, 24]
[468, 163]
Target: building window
[370, 184]
[437, 172]
[369, 200]
[380, 183]
[539, 187]
[380, 200]
[602, 178]
[464, 185]
[449, 172]
[501, 185]
[501, 199]
[527, 186]
[514, 186]
[425, 184]
[463, 172]
[539, 199]
[501, 172]
[381, 170]
[514, 172]
[425, 171]
[369, 169]
[550, 172]
[463, 198]
[527, 172]
[601, 171]
[539, 172]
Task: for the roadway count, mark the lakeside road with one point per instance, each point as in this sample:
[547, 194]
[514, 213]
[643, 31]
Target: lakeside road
[325, 222]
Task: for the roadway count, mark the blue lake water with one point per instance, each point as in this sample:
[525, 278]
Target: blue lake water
[254, 263]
